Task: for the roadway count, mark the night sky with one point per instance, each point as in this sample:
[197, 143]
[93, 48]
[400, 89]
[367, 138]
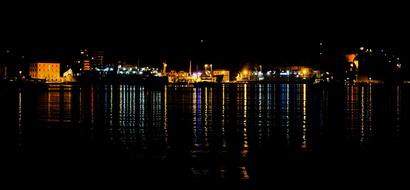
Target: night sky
[228, 53]
[233, 35]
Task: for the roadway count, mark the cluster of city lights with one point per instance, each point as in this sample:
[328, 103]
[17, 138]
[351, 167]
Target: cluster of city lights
[130, 70]
[387, 55]
[124, 70]
[297, 72]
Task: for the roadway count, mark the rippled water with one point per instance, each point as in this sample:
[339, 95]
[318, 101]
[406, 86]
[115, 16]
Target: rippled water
[240, 134]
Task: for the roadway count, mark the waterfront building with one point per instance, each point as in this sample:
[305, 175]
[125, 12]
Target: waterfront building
[48, 71]
[222, 73]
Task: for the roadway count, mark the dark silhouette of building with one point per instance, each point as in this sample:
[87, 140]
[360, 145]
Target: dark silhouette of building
[12, 64]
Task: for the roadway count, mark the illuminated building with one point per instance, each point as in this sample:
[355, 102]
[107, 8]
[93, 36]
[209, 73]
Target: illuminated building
[352, 67]
[301, 71]
[172, 76]
[224, 73]
[86, 65]
[206, 75]
[48, 71]
[181, 76]
[244, 75]
[97, 58]
[68, 76]
[89, 60]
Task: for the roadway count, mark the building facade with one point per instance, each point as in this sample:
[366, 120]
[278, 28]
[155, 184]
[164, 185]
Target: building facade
[3, 71]
[48, 71]
[224, 73]
[97, 58]
[86, 65]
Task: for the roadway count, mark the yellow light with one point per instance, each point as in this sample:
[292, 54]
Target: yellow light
[356, 63]
[245, 72]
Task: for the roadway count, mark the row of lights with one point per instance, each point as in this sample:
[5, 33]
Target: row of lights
[391, 58]
[321, 48]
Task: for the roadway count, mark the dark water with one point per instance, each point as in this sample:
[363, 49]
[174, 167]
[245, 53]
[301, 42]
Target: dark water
[236, 136]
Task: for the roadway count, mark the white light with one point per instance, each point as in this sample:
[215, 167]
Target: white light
[284, 73]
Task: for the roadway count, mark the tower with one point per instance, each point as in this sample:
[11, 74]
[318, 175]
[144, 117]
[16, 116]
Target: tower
[164, 69]
[97, 57]
[190, 67]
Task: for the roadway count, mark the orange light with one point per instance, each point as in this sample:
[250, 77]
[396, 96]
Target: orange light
[351, 57]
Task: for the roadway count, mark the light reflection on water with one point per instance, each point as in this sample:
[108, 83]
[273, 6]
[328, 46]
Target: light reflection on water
[20, 118]
[56, 105]
[358, 107]
[220, 127]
